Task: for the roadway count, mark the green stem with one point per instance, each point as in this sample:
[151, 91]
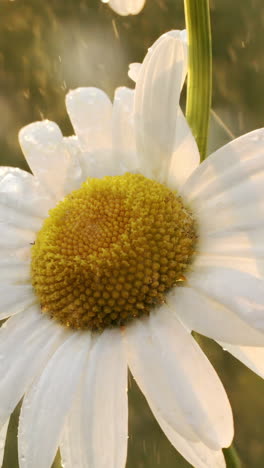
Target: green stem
[199, 84]
[199, 98]
[231, 457]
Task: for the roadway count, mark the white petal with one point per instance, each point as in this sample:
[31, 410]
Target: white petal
[126, 7]
[178, 380]
[48, 158]
[135, 67]
[90, 111]
[240, 292]
[226, 167]
[23, 226]
[226, 190]
[157, 97]
[201, 313]
[196, 453]
[15, 238]
[250, 356]
[102, 409]
[124, 143]
[185, 157]
[3, 433]
[252, 265]
[26, 342]
[134, 70]
[22, 207]
[46, 404]
[244, 244]
[73, 448]
[15, 299]
[21, 194]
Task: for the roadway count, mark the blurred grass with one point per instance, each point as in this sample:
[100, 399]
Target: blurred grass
[47, 48]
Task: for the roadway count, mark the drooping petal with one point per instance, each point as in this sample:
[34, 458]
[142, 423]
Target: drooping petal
[209, 317]
[196, 453]
[157, 96]
[15, 299]
[3, 433]
[46, 153]
[175, 376]
[126, 7]
[48, 401]
[102, 408]
[124, 142]
[26, 342]
[250, 356]
[240, 292]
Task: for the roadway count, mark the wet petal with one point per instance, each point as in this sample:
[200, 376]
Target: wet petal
[185, 157]
[15, 299]
[133, 71]
[124, 142]
[90, 111]
[248, 264]
[178, 381]
[157, 97]
[240, 292]
[225, 192]
[250, 356]
[196, 453]
[209, 317]
[244, 244]
[22, 200]
[40, 404]
[15, 238]
[103, 403]
[3, 433]
[225, 169]
[126, 7]
[48, 158]
[35, 338]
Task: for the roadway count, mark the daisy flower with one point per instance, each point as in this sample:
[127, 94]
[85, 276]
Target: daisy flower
[115, 247]
[126, 7]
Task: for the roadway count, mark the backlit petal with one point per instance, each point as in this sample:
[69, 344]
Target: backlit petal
[26, 342]
[49, 400]
[201, 313]
[48, 158]
[157, 97]
[101, 408]
[178, 381]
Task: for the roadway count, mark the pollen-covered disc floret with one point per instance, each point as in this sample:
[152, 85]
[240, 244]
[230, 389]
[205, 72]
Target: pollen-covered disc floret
[110, 251]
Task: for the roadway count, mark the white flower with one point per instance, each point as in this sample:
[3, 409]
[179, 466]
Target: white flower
[75, 381]
[126, 7]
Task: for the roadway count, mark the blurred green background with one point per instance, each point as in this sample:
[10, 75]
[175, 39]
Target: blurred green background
[48, 47]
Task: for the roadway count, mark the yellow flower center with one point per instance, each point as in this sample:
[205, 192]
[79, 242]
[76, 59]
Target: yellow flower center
[110, 251]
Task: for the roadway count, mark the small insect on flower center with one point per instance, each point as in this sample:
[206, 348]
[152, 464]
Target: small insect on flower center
[110, 251]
